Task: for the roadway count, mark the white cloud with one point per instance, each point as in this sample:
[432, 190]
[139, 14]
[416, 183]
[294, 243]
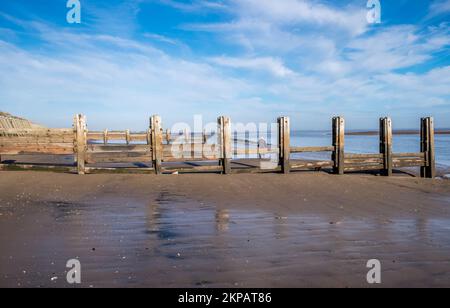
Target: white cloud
[394, 48]
[195, 5]
[439, 7]
[303, 11]
[161, 38]
[109, 77]
[274, 66]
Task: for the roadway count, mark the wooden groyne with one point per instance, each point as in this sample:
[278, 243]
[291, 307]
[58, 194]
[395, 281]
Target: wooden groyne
[158, 149]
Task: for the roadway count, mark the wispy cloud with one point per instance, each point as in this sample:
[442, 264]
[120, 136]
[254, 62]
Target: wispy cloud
[271, 65]
[109, 76]
[195, 5]
[439, 7]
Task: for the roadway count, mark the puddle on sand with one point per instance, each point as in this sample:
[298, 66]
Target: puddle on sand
[175, 242]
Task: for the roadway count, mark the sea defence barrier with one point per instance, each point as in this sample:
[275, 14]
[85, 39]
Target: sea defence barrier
[158, 150]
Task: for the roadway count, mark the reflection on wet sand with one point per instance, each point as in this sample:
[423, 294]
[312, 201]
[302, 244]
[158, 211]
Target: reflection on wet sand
[174, 242]
[222, 220]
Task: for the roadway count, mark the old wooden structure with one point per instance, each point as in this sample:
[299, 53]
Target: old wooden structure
[158, 151]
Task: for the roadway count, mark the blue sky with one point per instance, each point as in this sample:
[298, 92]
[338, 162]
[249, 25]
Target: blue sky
[253, 60]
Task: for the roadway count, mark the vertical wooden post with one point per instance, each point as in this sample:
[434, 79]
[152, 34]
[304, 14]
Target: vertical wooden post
[205, 151]
[284, 144]
[386, 145]
[247, 143]
[224, 128]
[168, 136]
[105, 136]
[427, 147]
[157, 142]
[338, 143]
[80, 142]
[127, 136]
[235, 143]
[149, 139]
[192, 143]
[258, 143]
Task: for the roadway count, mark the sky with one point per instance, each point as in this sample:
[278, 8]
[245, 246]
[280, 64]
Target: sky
[253, 60]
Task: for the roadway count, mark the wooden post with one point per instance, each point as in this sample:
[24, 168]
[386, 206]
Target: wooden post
[80, 142]
[156, 142]
[149, 139]
[127, 136]
[205, 151]
[284, 144]
[168, 136]
[427, 147]
[338, 143]
[224, 128]
[105, 136]
[386, 145]
[235, 143]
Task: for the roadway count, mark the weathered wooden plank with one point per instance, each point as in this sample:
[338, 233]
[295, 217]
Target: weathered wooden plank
[418, 161]
[312, 149]
[110, 157]
[99, 148]
[117, 135]
[37, 149]
[30, 167]
[255, 170]
[362, 156]
[196, 169]
[409, 164]
[180, 156]
[95, 170]
[400, 155]
[255, 151]
[95, 136]
[318, 164]
[363, 168]
[188, 159]
[138, 137]
[363, 160]
[368, 165]
[40, 131]
[36, 140]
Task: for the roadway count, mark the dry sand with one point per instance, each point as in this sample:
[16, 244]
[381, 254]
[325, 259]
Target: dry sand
[267, 230]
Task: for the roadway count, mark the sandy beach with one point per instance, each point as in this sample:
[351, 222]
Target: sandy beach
[261, 230]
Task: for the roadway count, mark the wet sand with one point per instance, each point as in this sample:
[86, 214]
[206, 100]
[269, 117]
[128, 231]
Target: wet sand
[260, 230]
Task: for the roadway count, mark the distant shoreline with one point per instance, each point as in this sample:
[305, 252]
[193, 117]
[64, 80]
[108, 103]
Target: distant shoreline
[397, 132]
